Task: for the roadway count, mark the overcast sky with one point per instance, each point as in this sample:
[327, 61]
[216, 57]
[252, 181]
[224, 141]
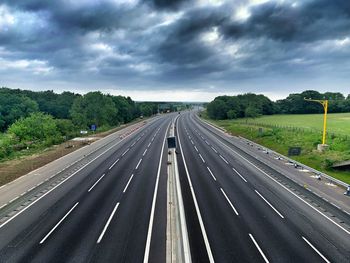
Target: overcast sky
[189, 50]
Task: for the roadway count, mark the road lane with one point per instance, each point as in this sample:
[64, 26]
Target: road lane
[74, 239]
[126, 238]
[284, 237]
[114, 209]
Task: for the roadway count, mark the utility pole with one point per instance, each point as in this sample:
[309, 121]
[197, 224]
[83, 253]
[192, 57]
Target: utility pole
[324, 103]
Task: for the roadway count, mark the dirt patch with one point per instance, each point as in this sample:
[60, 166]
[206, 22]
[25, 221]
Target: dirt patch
[13, 169]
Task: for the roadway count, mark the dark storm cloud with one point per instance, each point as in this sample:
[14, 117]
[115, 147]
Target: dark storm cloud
[166, 4]
[32, 5]
[165, 40]
[309, 21]
[182, 44]
[98, 15]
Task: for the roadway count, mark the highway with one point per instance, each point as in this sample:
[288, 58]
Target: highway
[113, 207]
[102, 213]
[240, 213]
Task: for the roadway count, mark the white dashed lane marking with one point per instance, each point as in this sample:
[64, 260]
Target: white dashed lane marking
[211, 173]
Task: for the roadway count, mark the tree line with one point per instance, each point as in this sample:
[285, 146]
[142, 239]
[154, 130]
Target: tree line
[30, 119]
[252, 105]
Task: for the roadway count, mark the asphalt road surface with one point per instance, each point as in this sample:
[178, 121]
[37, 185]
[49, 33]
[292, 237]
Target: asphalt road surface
[239, 212]
[113, 209]
[102, 213]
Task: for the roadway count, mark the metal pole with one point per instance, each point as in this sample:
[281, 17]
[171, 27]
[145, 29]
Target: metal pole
[324, 103]
[325, 107]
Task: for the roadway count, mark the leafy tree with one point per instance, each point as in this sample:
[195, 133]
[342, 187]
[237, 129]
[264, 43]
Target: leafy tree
[232, 114]
[217, 109]
[333, 96]
[125, 108]
[94, 108]
[295, 103]
[146, 109]
[6, 143]
[63, 104]
[251, 112]
[236, 106]
[13, 107]
[37, 127]
[66, 128]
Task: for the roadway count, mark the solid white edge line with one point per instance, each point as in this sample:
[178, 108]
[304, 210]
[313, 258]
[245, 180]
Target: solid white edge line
[229, 201]
[185, 239]
[269, 204]
[96, 183]
[138, 164]
[68, 166]
[211, 173]
[204, 233]
[315, 249]
[284, 187]
[126, 187]
[107, 224]
[59, 222]
[201, 158]
[258, 247]
[150, 226]
[45, 194]
[239, 174]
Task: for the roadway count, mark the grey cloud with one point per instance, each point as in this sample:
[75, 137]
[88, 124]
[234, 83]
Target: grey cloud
[306, 22]
[276, 40]
[166, 4]
[182, 44]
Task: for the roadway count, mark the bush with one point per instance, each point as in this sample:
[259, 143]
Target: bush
[5, 146]
[66, 128]
[232, 114]
[37, 127]
[328, 164]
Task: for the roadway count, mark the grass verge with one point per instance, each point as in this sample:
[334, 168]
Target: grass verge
[26, 161]
[280, 139]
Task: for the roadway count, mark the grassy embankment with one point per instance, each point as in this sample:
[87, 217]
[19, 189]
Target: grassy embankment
[24, 161]
[279, 132]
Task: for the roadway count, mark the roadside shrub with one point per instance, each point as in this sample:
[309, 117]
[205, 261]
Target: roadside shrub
[5, 146]
[328, 163]
[66, 128]
[37, 127]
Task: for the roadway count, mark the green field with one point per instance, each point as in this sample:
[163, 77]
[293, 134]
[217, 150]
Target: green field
[337, 123]
[279, 132]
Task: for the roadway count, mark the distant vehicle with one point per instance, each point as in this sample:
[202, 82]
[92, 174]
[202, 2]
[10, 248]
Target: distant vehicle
[179, 112]
[141, 117]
